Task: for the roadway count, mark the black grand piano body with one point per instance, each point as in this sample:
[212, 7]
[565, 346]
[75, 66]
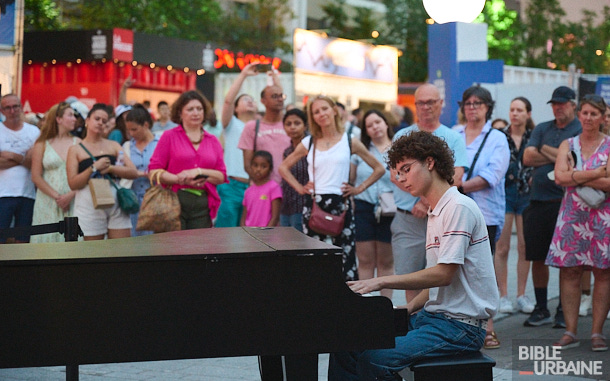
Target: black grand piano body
[182, 295]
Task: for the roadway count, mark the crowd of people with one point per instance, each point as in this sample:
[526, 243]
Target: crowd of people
[453, 194]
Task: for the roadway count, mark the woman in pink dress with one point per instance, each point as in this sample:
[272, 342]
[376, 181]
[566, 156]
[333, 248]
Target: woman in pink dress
[582, 234]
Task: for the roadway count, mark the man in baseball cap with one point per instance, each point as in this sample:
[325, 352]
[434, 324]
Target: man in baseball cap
[563, 94]
[545, 197]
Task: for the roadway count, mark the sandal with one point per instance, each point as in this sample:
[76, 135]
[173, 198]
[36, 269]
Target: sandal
[567, 341]
[491, 341]
[598, 343]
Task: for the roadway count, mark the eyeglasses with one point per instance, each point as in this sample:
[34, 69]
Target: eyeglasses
[473, 105]
[429, 103]
[11, 108]
[404, 170]
[278, 96]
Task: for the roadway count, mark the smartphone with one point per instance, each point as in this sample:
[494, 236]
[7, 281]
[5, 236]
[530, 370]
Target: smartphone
[202, 176]
[263, 68]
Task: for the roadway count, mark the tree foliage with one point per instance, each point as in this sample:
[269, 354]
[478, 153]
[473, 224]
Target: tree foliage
[366, 22]
[541, 38]
[42, 15]
[580, 44]
[504, 32]
[254, 26]
[187, 19]
[406, 29]
[543, 25]
[336, 18]
[355, 26]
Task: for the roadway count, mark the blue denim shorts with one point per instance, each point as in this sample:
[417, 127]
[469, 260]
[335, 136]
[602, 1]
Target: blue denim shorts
[515, 202]
[367, 227]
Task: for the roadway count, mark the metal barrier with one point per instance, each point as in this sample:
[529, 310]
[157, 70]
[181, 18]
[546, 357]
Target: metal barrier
[71, 231]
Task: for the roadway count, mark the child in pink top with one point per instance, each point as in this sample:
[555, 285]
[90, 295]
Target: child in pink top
[262, 199]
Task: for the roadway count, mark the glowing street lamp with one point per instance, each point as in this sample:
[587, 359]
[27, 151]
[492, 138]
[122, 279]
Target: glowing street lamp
[444, 11]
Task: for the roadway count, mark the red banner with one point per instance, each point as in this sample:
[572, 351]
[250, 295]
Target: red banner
[122, 45]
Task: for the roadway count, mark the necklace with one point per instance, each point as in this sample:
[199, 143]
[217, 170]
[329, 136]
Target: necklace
[198, 141]
[331, 140]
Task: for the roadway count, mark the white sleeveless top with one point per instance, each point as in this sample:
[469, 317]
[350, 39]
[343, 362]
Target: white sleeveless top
[332, 166]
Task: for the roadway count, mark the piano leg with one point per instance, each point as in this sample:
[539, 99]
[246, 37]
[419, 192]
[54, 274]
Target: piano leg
[71, 372]
[289, 368]
[271, 368]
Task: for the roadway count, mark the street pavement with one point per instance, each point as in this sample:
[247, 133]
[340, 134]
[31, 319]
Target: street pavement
[509, 328]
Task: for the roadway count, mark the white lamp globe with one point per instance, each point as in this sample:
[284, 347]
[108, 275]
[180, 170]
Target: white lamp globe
[444, 11]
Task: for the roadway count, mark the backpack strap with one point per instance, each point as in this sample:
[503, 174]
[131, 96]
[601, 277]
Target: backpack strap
[258, 126]
[86, 150]
[476, 157]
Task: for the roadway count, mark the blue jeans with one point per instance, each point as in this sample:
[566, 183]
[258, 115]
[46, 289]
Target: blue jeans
[22, 209]
[231, 207]
[294, 220]
[431, 335]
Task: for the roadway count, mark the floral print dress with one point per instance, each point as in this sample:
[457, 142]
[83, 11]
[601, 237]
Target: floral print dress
[582, 233]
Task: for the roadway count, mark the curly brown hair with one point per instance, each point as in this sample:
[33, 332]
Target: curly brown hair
[420, 145]
[185, 98]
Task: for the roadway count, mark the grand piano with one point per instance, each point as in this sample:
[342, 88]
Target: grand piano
[182, 295]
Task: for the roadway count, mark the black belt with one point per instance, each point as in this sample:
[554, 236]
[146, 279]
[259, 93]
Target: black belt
[403, 211]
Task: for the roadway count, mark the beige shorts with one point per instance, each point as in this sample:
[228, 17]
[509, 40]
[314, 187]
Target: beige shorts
[98, 221]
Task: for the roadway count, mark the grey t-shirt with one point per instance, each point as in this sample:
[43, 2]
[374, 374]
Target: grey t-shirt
[543, 188]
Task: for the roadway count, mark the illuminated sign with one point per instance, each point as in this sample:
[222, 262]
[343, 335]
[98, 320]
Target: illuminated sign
[230, 59]
[317, 53]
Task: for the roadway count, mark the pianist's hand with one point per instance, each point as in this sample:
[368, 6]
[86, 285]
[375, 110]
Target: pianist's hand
[365, 286]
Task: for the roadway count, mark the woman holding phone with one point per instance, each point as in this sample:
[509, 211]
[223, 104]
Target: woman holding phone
[192, 160]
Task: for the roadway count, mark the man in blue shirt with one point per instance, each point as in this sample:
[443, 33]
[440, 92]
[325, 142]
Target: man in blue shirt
[540, 216]
[409, 224]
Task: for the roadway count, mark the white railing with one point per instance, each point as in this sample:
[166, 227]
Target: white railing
[515, 75]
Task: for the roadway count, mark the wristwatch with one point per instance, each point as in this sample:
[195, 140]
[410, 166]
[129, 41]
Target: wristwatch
[93, 169]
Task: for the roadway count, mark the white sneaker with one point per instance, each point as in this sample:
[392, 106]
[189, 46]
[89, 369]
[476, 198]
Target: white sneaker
[585, 305]
[506, 306]
[525, 304]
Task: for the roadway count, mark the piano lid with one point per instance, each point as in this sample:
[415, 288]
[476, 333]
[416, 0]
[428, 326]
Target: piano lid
[209, 243]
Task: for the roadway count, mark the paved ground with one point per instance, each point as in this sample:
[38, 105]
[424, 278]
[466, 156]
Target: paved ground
[510, 329]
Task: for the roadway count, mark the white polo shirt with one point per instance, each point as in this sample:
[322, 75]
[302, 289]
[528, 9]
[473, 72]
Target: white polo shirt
[457, 234]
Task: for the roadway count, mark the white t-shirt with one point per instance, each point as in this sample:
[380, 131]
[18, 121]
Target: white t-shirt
[332, 166]
[17, 181]
[457, 233]
[233, 156]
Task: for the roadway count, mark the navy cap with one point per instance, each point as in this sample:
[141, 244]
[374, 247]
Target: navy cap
[562, 94]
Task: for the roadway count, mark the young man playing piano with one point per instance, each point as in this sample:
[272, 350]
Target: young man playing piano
[460, 292]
